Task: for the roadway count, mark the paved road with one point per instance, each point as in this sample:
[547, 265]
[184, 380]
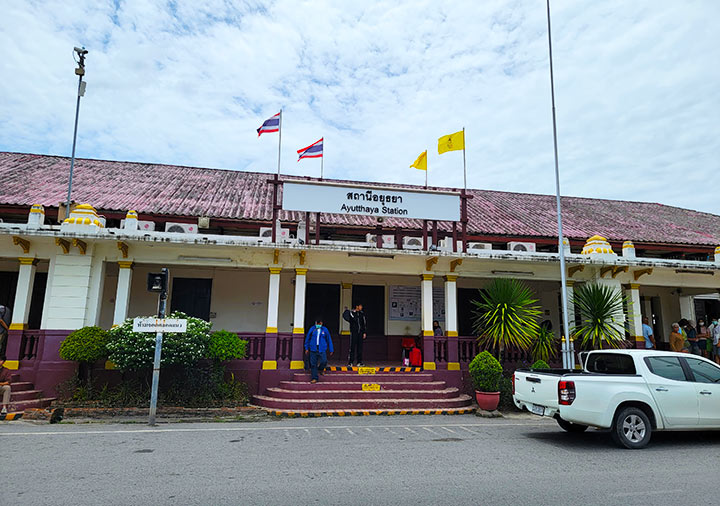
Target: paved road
[364, 460]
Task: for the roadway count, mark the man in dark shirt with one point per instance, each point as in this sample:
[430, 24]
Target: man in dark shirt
[358, 332]
[4, 325]
[5, 377]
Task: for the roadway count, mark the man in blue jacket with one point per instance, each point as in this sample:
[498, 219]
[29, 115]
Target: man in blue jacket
[318, 344]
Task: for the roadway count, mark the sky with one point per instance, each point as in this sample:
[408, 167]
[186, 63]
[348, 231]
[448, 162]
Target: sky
[188, 83]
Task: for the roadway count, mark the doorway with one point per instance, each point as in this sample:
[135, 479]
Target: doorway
[465, 308]
[323, 301]
[373, 300]
[192, 297]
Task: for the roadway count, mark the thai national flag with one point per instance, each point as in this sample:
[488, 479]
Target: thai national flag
[314, 150]
[270, 125]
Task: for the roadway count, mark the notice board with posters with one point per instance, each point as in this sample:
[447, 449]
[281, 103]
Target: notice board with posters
[405, 304]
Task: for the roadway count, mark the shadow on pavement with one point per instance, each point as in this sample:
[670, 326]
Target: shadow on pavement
[597, 439]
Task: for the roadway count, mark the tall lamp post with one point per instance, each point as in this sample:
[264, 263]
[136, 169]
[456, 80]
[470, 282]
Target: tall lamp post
[80, 72]
[567, 348]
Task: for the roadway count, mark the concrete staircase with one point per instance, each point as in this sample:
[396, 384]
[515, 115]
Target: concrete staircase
[23, 396]
[345, 392]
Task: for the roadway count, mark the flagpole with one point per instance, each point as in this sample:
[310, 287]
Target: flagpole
[568, 356]
[426, 171]
[322, 160]
[279, 140]
[464, 163]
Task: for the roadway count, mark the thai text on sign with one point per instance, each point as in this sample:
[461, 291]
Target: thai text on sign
[366, 370]
[370, 201]
[370, 387]
[159, 325]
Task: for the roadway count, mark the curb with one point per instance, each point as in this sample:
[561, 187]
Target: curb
[11, 416]
[361, 412]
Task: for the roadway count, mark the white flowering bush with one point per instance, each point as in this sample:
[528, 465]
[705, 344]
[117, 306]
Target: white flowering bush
[131, 351]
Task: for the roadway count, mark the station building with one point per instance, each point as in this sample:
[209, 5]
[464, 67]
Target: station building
[241, 257]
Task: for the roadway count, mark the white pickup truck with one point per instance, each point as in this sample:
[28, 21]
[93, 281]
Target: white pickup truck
[630, 392]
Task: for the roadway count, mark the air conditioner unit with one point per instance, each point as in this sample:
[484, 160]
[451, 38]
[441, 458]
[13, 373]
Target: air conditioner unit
[474, 247]
[521, 246]
[281, 234]
[446, 244]
[181, 228]
[145, 226]
[388, 241]
[412, 243]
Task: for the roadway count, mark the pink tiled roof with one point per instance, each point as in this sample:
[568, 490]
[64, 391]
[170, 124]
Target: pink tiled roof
[189, 191]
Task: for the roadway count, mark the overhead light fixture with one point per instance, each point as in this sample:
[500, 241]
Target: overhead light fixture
[205, 259]
[513, 273]
[371, 255]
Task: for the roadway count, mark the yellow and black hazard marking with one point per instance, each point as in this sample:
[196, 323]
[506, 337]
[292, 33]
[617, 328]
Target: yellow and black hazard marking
[347, 368]
[368, 412]
[11, 416]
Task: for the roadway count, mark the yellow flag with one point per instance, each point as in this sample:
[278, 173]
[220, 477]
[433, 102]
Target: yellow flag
[421, 162]
[452, 142]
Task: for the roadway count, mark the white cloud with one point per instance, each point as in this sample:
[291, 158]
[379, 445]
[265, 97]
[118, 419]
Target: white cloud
[188, 83]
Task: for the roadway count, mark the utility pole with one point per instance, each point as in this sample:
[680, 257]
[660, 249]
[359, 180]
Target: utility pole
[80, 72]
[157, 283]
[567, 347]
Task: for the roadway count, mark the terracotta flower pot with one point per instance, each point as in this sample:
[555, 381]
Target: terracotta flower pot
[487, 401]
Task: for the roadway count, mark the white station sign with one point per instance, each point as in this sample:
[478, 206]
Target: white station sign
[159, 325]
[370, 201]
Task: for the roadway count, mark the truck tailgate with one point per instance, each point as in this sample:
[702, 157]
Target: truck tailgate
[537, 392]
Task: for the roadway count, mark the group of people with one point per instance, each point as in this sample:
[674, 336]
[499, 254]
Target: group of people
[700, 339]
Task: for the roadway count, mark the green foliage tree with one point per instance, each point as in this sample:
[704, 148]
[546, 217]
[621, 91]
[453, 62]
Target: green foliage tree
[485, 372]
[540, 364]
[601, 316]
[225, 345]
[131, 351]
[544, 345]
[506, 315]
[85, 346]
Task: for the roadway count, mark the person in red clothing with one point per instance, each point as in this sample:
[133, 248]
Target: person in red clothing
[5, 377]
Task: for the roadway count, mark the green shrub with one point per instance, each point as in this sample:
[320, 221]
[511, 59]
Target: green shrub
[226, 345]
[131, 351]
[506, 401]
[88, 344]
[485, 372]
[540, 364]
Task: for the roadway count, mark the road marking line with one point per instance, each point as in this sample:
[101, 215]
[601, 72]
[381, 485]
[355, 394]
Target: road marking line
[449, 430]
[369, 428]
[470, 431]
[408, 428]
[351, 432]
[430, 430]
[328, 431]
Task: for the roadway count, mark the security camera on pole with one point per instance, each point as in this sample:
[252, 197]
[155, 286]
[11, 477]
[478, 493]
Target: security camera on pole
[80, 72]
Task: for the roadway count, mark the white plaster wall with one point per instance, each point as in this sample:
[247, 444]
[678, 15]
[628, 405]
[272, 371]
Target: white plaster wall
[66, 300]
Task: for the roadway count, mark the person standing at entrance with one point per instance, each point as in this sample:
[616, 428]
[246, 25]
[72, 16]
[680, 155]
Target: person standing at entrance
[648, 333]
[4, 326]
[318, 344]
[358, 333]
[5, 391]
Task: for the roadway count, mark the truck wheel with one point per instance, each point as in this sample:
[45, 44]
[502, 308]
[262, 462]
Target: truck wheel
[632, 428]
[570, 427]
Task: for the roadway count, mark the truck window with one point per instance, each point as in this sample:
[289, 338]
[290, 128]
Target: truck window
[704, 372]
[610, 363]
[666, 367]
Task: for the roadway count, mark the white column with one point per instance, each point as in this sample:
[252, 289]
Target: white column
[69, 286]
[122, 294]
[273, 301]
[23, 295]
[632, 293]
[427, 320]
[451, 325]
[299, 311]
[427, 304]
[298, 341]
[345, 301]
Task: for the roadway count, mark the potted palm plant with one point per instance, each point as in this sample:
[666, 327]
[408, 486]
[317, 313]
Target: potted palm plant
[485, 373]
[602, 319]
[506, 315]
